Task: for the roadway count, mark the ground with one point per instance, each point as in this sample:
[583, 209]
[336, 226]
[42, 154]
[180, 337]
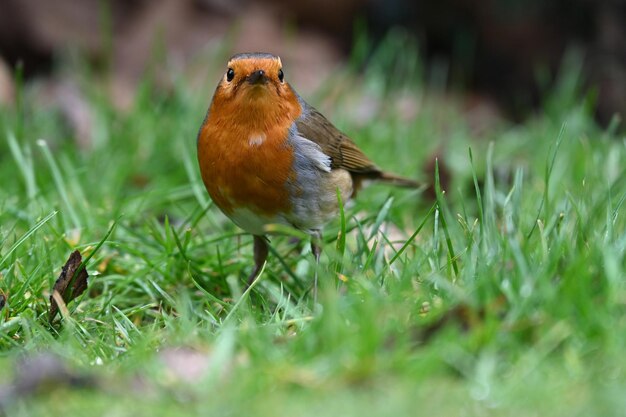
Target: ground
[498, 291]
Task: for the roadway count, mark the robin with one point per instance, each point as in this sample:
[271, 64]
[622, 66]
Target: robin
[268, 157]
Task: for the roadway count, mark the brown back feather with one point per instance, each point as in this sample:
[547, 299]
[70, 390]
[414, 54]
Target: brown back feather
[343, 152]
[334, 143]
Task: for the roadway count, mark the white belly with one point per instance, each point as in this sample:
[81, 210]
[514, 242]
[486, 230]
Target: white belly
[252, 222]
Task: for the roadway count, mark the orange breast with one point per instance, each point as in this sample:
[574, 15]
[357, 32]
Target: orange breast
[243, 147]
[242, 173]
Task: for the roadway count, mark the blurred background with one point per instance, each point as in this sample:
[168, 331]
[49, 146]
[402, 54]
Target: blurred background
[500, 55]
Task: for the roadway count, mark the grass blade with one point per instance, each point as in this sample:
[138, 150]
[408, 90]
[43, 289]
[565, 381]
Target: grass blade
[341, 239]
[547, 174]
[26, 235]
[451, 256]
[414, 235]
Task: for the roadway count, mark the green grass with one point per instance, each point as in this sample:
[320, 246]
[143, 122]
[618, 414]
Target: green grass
[505, 296]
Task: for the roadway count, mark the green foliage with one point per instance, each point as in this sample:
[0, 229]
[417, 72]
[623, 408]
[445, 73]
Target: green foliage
[503, 296]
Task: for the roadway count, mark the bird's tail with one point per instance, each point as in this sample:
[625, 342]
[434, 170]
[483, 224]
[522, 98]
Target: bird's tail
[398, 180]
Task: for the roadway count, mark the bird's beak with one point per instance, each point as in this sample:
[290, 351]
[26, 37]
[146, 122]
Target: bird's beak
[257, 77]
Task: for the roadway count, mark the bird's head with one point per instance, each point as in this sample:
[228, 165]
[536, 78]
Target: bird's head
[255, 81]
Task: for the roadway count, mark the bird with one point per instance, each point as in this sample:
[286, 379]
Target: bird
[268, 157]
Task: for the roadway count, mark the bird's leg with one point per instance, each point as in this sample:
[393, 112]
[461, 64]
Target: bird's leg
[316, 248]
[260, 255]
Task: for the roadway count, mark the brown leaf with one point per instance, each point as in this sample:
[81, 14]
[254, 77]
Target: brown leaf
[71, 283]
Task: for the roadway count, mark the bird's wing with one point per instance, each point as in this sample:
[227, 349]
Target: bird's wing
[343, 152]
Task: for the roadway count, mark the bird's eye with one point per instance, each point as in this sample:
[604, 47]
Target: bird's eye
[281, 75]
[230, 74]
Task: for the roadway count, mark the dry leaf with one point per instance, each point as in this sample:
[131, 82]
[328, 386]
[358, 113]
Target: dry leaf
[71, 283]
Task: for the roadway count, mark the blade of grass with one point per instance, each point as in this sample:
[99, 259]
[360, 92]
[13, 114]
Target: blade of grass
[244, 296]
[380, 218]
[414, 235]
[479, 198]
[26, 235]
[547, 174]
[60, 183]
[24, 162]
[341, 239]
[444, 225]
